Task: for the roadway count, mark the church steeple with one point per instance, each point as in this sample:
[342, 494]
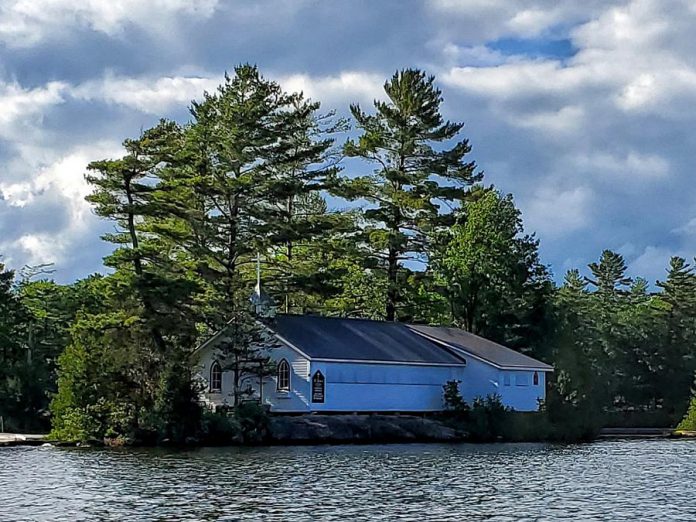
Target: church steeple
[262, 302]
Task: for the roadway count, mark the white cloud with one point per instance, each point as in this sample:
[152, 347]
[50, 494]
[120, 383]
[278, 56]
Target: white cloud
[633, 166]
[589, 144]
[492, 19]
[60, 186]
[337, 90]
[27, 22]
[689, 229]
[162, 94]
[555, 213]
[652, 263]
[147, 95]
[23, 109]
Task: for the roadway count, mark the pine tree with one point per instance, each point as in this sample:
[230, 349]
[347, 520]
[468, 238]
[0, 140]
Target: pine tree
[677, 346]
[255, 155]
[147, 325]
[15, 355]
[609, 274]
[414, 182]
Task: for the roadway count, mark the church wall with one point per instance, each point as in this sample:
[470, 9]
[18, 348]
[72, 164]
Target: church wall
[518, 390]
[202, 370]
[297, 399]
[363, 387]
[481, 379]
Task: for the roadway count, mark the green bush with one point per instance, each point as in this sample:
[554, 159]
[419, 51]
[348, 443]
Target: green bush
[75, 425]
[220, 428]
[453, 399]
[487, 418]
[253, 420]
[688, 423]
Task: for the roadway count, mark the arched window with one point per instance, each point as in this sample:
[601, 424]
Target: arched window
[318, 385]
[283, 383]
[536, 379]
[215, 377]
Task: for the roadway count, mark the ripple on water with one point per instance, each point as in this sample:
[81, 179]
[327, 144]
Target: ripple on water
[617, 480]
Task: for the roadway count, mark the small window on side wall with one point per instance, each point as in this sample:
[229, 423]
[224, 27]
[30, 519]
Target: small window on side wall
[522, 379]
[283, 381]
[536, 379]
[215, 377]
[506, 379]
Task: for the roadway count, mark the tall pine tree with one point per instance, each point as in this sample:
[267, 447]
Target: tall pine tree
[420, 171]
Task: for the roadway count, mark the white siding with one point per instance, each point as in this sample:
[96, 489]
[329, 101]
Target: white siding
[297, 399]
[202, 370]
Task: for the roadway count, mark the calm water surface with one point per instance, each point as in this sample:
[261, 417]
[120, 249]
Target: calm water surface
[618, 480]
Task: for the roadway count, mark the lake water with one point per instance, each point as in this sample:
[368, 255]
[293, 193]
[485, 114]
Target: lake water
[613, 480]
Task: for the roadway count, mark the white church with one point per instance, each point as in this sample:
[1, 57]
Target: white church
[326, 364]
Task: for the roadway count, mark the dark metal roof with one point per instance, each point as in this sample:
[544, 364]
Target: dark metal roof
[360, 340]
[480, 347]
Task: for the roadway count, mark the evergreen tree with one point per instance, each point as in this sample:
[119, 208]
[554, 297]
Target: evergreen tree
[677, 343]
[147, 324]
[609, 274]
[490, 271]
[255, 162]
[15, 356]
[414, 182]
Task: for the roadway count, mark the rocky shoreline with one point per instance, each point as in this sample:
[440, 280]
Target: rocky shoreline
[349, 429]
[311, 429]
[355, 429]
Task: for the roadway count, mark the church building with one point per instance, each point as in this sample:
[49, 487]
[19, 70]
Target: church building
[325, 364]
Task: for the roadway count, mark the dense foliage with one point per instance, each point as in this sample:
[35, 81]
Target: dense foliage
[410, 233]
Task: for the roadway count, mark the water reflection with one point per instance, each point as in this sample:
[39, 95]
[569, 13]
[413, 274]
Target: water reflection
[621, 480]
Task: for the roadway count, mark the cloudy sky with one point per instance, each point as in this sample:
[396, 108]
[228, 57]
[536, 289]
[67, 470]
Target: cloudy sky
[585, 111]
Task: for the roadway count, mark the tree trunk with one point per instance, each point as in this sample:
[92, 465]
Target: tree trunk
[289, 254]
[392, 290]
[138, 267]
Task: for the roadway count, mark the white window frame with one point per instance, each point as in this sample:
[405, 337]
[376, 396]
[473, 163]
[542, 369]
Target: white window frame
[283, 376]
[215, 375]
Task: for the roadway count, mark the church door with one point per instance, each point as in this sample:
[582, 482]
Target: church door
[318, 387]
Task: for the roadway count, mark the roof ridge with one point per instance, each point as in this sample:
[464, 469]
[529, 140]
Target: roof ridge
[337, 318]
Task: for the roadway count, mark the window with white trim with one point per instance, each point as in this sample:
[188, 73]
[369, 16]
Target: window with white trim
[283, 378]
[215, 377]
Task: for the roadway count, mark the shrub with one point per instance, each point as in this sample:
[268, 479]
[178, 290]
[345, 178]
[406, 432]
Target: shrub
[487, 418]
[253, 420]
[688, 423]
[75, 425]
[453, 399]
[220, 428]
